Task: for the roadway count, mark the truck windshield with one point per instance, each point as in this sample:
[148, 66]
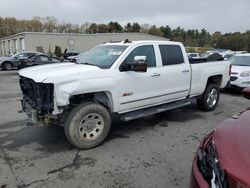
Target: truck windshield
[240, 60]
[102, 56]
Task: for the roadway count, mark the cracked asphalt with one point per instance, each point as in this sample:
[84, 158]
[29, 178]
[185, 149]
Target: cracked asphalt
[156, 151]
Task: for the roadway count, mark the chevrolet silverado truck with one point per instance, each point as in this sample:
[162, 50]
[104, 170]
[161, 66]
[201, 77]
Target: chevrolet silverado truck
[131, 79]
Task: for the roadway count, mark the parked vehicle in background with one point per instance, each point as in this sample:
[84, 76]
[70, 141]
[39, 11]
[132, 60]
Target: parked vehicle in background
[75, 58]
[131, 79]
[213, 57]
[240, 75]
[206, 58]
[15, 60]
[72, 58]
[193, 55]
[228, 56]
[40, 59]
[223, 157]
[69, 54]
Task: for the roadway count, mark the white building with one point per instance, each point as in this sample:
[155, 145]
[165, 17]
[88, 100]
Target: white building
[43, 42]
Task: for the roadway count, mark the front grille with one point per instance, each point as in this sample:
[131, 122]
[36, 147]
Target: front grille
[233, 78]
[38, 95]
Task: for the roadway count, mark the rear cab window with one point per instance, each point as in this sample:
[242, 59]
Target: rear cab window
[171, 54]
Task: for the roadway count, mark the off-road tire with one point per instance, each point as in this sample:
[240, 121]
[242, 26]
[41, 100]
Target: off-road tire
[74, 120]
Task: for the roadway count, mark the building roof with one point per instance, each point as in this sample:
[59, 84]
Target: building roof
[80, 34]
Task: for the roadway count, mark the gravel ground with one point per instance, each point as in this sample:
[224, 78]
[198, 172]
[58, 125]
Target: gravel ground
[156, 151]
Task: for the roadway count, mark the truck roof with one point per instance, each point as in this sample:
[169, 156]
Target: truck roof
[128, 43]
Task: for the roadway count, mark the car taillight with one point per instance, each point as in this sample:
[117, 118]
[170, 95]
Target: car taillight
[230, 69]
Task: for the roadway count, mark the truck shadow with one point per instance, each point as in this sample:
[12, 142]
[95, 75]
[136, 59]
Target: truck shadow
[122, 129]
[232, 91]
[51, 139]
[14, 135]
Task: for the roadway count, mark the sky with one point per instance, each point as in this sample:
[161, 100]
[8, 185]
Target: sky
[213, 15]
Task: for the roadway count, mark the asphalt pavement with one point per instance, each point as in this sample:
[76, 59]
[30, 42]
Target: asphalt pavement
[156, 151]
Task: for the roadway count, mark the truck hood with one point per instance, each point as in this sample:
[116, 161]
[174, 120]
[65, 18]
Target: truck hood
[232, 140]
[240, 69]
[43, 72]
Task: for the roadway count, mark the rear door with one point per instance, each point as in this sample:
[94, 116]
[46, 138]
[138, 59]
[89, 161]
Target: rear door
[175, 72]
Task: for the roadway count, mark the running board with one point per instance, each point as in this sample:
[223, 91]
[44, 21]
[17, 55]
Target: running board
[153, 110]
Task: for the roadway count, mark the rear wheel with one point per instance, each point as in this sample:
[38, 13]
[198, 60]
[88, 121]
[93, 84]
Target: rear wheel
[87, 125]
[7, 66]
[210, 98]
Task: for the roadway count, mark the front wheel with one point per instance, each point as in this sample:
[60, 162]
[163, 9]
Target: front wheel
[209, 98]
[87, 125]
[7, 66]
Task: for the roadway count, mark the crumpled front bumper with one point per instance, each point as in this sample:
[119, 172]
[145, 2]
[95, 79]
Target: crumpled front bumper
[197, 180]
[31, 113]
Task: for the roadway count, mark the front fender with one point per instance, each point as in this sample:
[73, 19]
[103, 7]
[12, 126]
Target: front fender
[65, 90]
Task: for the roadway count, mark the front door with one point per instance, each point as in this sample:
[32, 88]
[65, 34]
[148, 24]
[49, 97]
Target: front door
[139, 89]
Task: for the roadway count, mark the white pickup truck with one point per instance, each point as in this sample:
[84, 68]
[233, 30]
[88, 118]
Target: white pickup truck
[131, 79]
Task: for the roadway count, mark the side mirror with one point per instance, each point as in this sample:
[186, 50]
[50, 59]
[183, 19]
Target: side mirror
[138, 65]
[246, 93]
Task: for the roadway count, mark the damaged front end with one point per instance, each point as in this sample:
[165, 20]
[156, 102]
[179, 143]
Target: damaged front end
[209, 166]
[38, 100]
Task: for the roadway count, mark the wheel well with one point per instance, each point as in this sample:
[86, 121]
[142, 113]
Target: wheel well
[6, 62]
[217, 79]
[103, 98]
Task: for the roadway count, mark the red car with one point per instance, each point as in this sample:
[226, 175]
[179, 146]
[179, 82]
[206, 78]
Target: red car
[223, 157]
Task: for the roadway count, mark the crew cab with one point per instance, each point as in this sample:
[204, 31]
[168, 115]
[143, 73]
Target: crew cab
[130, 78]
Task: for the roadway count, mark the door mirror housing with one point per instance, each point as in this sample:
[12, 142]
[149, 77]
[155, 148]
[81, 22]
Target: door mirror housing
[138, 65]
[246, 93]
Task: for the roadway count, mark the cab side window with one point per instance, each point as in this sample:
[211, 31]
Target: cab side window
[30, 55]
[38, 58]
[146, 50]
[171, 54]
[44, 58]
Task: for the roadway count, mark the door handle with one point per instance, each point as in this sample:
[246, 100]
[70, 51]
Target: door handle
[155, 74]
[185, 71]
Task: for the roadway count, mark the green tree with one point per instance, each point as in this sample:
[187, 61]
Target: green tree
[135, 27]
[114, 27]
[167, 31]
[103, 28]
[155, 31]
[93, 28]
[58, 51]
[128, 27]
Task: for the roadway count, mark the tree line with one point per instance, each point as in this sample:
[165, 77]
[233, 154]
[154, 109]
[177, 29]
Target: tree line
[192, 37]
